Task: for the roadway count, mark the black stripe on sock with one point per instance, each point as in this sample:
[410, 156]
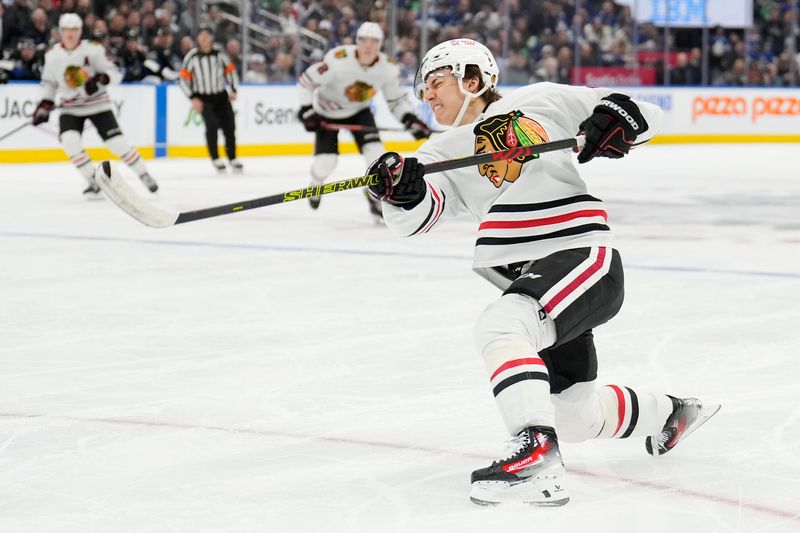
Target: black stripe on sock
[577, 230]
[634, 414]
[522, 376]
[514, 208]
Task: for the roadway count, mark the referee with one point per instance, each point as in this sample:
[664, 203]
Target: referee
[204, 75]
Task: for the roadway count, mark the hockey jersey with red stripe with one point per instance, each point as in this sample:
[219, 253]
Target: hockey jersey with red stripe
[66, 72]
[526, 208]
[339, 86]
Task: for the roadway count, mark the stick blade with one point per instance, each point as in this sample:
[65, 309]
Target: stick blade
[121, 193]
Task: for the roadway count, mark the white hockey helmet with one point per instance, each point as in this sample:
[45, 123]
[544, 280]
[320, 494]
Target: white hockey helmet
[370, 30]
[456, 54]
[69, 20]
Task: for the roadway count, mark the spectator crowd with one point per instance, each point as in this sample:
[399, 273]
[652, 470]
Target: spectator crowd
[541, 40]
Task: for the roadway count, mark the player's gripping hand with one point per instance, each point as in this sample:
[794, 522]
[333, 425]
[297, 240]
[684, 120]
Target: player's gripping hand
[416, 127]
[612, 128]
[93, 84]
[310, 119]
[42, 112]
[399, 180]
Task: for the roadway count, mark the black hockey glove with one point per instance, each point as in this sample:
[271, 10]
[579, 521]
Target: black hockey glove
[93, 84]
[416, 127]
[42, 112]
[612, 128]
[399, 181]
[311, 121]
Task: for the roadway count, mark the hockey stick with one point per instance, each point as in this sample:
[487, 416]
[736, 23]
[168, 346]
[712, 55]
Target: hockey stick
[15, 130]
[360, 127]
[20, 127]
[156, 216]
[355, 127]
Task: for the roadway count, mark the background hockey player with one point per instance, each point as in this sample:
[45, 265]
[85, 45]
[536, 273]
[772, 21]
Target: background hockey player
[546, 243]
[338, 90]
[209, 79]
[78, 72]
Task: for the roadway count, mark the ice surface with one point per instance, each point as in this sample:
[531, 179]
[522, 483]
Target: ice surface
[289, 370]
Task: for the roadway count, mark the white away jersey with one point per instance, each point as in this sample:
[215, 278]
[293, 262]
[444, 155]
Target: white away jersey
[339, 86]
[527, 208]
[66, 71]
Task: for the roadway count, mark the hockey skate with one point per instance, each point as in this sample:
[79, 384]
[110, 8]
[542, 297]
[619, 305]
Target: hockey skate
[219, 164]
[688, 414]
[236, 165]
[149, 182]
[532, 474]
[92, 192]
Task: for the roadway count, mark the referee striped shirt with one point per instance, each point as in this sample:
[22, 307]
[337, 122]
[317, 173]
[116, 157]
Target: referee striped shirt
[206, 74]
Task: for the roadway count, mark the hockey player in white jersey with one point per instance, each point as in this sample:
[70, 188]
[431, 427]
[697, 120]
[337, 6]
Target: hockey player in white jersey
[546, 243]
[338, 90]
[77, 72]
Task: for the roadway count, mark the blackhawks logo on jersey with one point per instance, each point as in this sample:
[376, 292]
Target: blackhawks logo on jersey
[504, 132]
[74, 76]
[359, 92]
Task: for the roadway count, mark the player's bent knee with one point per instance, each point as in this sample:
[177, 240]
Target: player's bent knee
[71, 141]
[323, 164]
[513, 322]
[118, 145]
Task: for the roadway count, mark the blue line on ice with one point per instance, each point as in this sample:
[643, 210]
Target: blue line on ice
[384, 253]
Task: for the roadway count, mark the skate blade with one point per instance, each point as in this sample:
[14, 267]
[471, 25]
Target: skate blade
[555, 503]
[706, 412]
[545, 493]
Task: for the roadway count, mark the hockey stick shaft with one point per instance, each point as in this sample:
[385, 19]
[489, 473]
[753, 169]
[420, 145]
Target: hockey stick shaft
[15, 130]
[356, 127]
[360, 127]
[282, 198]
[372, 179]
[153, 215]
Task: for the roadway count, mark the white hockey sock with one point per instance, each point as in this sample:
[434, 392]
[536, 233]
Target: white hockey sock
[321, 167]
[371, 152]
[628, 413]
[129, 155]
[520, 383]
[509, 335]
[71, 141]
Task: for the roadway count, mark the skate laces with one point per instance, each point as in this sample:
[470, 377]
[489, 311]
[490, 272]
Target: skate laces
[515, 445]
